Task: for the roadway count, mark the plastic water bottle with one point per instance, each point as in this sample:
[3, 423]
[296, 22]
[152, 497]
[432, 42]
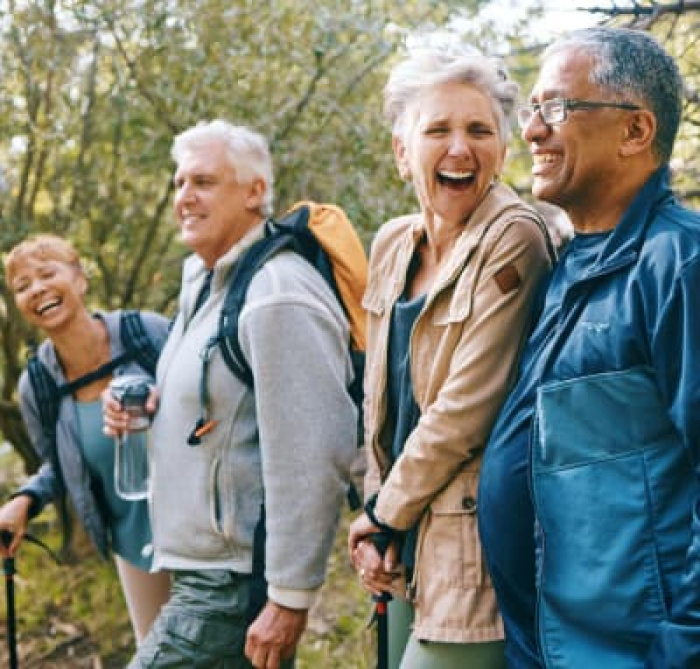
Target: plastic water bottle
[131, 447]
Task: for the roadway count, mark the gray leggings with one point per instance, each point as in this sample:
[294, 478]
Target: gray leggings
[407, 652]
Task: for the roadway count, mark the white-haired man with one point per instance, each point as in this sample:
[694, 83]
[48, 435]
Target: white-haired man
[279, 451]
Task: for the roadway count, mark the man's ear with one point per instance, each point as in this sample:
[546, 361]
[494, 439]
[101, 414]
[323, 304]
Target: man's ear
[639, 132]
[401, 157]
[256, 194]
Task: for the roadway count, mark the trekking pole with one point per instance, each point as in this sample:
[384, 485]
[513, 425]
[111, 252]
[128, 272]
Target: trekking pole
[8, 567]
[381, 541]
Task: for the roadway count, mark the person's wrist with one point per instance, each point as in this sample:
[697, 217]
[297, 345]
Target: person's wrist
[370, 510]
[25, 499]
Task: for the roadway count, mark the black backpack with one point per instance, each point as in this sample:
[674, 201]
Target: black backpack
[338, 256]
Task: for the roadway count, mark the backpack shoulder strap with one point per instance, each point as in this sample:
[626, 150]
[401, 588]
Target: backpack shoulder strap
[46, 393]
[276, 239]
[136, 341]
[139, 346]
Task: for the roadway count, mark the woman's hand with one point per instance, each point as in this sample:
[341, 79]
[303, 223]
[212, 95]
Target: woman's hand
[115, 420]
[376, 572]
[14, 518]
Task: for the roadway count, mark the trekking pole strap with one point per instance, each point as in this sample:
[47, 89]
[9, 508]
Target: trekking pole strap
[6, 538]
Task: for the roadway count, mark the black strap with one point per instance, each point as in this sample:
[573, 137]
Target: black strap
[46, 393]
[103, 370]
[137, 341]
[138, 346]
[204, 292]
[244, 270]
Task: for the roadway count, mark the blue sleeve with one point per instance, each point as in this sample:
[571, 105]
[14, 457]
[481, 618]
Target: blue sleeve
[675, 351]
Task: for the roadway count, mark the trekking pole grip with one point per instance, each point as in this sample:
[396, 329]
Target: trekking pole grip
[8, 563]
[381, 541]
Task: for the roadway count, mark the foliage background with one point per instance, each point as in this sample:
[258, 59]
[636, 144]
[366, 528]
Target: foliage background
[92, 92]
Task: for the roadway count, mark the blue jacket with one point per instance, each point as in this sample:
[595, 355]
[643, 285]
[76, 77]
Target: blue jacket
[615, 450]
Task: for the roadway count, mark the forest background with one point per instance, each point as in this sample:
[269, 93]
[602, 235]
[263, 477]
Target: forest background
[91, 95]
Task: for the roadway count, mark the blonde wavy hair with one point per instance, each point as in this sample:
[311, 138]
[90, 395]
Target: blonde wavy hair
[42, 246]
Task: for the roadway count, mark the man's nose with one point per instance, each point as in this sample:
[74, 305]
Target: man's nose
[535, 127]
[184, 194]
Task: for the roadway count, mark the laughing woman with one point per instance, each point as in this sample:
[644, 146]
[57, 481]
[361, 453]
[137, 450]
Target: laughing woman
[449, 301]
[45, 275]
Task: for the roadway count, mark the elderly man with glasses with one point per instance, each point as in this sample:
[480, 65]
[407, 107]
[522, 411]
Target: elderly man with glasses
[589, 497]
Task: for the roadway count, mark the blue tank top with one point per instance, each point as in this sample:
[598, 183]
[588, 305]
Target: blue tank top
[401, 403]
[127, 521]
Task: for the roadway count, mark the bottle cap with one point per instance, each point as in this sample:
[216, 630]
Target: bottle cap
[131, 390]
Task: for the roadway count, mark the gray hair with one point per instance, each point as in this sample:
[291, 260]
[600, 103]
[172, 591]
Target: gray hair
[633, 66]
[431, 63]
[247, 151]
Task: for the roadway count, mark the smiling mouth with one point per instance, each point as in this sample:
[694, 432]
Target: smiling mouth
[47, 306]
[455, 178]
[544, 159]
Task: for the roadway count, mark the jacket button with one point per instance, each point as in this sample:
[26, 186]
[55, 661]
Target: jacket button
[469, 504]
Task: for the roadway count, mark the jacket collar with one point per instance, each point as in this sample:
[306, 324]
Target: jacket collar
[497, 202]
[194, 269]
[622, 247]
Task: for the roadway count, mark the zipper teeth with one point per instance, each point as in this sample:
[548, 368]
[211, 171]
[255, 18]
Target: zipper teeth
[539, 533]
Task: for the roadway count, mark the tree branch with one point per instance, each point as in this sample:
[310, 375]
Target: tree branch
[161, 113]
[646, 14]
[652, 11]
[147, 244]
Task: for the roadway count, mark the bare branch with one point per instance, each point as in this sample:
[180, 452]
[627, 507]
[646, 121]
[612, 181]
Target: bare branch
[147, 244]
[86, 134]
[304, 100]
[652, 11]
[161, 112]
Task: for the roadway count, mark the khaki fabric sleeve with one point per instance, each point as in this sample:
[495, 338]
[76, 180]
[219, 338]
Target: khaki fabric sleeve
[460, 406]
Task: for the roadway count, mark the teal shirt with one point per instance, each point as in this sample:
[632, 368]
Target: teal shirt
[127, 520]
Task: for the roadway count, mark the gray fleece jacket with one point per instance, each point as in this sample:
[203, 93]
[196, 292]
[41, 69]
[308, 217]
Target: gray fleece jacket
[288, 443]
[45, 485]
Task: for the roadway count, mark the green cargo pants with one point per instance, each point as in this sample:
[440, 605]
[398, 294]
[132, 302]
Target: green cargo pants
[203, 625]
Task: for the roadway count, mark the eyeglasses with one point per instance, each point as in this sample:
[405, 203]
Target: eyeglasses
[555, 111]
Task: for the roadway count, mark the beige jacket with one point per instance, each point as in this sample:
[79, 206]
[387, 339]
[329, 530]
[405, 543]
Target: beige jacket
[463, 350]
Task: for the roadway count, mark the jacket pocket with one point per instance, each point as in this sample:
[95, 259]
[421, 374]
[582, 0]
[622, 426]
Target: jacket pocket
[450, 546]
[215, 501]
[612, 506]
[236, 487]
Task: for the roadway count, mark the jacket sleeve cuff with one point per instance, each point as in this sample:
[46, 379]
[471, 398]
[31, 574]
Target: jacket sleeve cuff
[376, 519]
[292, 599]
[35, 505]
